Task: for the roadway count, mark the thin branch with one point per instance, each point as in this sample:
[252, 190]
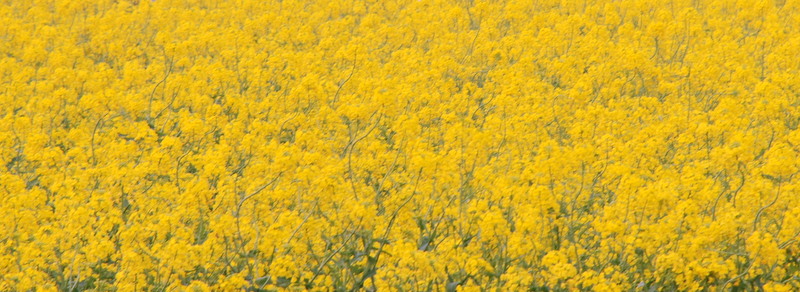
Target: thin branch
[341, 84]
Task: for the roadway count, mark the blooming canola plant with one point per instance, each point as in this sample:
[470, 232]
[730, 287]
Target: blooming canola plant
[421, 145]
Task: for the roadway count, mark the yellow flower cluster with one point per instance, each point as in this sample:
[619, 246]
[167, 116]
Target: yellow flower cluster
[423, 145]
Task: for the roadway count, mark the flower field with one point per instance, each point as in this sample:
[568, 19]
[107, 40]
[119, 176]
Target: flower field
[411, 145]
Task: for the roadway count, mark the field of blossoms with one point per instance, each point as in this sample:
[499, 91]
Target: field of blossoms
[411, 145]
